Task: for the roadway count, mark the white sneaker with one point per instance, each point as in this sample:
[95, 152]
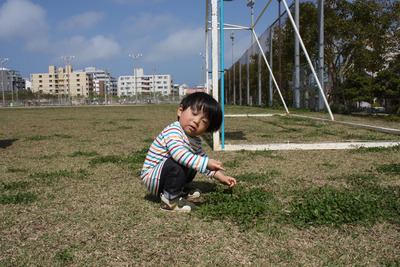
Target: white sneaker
[177, 204]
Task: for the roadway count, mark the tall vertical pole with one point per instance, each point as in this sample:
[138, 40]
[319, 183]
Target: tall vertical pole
[68, 58]
[321, 52]
[233, 66]
[215, 64]
[250, 3]
[259, 77]
[271, 60]
[154, 69]
[296, 86]
[202, 71]
[105, 87]
[222, 76]
[135, 57]
[2, 79]
[280, 48]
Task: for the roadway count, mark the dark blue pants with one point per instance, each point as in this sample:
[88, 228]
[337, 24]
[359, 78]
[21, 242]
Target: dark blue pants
[174, 177]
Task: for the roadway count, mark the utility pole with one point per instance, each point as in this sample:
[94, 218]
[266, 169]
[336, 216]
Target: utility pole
[232, 36]
[68, 58]
[105, 86]
[135, 57]
[2, 78]
[202, 71]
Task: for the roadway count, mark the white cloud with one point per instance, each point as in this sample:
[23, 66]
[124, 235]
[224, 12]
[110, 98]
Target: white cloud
[82, 21]
[22, 19]
[177, 45]
[88, 50]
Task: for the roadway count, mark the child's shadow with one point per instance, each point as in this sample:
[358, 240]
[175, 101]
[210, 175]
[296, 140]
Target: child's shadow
[204, 187]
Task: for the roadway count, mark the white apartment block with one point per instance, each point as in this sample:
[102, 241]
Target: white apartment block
[102, 81]
[62, 81]
[131, 85]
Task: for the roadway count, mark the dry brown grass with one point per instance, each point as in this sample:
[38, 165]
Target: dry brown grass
[100, 214]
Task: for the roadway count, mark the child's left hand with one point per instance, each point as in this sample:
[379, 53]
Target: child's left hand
[227, 180]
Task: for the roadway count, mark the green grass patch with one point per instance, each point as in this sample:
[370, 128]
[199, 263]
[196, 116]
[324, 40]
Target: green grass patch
[134, 159]
[374, 149]
[331, 206]
[19, 198]
[393, 168]
[258, 178]
[83, 154]
[50, 177]
[245, 207]
[16, 170]
[124, 128]
[15, 185]
[39, 137]
[259, 153]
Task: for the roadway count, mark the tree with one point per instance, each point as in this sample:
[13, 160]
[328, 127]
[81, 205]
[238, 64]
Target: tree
[387, 86]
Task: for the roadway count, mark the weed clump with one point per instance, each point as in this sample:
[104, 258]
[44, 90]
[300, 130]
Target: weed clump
[246, 207]
[331, 206]
[19, 198]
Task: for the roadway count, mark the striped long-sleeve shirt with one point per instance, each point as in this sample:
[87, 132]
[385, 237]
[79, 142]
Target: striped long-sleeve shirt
[173, 142]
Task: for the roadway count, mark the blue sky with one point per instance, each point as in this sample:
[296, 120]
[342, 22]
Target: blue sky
[102, 33]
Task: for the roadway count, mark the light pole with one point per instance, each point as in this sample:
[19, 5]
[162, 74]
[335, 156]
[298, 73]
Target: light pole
[68, 58]
[105, 86]
[135, 57]
[233, 67]
[250, 3]
[154, 69]
[2, 78]
[202, 71]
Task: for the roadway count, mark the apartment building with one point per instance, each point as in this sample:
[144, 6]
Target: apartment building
[62, 81]
[11, 81]
[131, 85]
[103, 81]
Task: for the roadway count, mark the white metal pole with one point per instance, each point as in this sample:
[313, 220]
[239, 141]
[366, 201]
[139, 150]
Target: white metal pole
[2, 78]
[214, 61]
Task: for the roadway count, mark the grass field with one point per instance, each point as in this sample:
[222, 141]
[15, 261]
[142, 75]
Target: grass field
[70, 193]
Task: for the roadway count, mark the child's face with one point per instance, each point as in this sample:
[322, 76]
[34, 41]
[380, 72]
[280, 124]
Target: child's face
[193, 122]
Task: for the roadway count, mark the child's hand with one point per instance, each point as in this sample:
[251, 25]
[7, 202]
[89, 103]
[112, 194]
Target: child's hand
[230, 181]
[223, 179]
[214, 165]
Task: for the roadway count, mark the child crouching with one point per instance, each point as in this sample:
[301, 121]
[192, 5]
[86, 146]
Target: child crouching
[176, 155]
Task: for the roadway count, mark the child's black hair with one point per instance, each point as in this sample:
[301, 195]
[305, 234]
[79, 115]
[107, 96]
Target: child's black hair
[206, 103]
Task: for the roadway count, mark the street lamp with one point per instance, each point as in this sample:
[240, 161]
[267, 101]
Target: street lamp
[2, 78]
[68, 58]
[250, 3]
[135, 57]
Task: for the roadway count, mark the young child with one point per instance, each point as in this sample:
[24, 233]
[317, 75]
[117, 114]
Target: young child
[176, 154]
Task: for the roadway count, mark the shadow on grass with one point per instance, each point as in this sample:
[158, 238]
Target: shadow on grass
[7, 142]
